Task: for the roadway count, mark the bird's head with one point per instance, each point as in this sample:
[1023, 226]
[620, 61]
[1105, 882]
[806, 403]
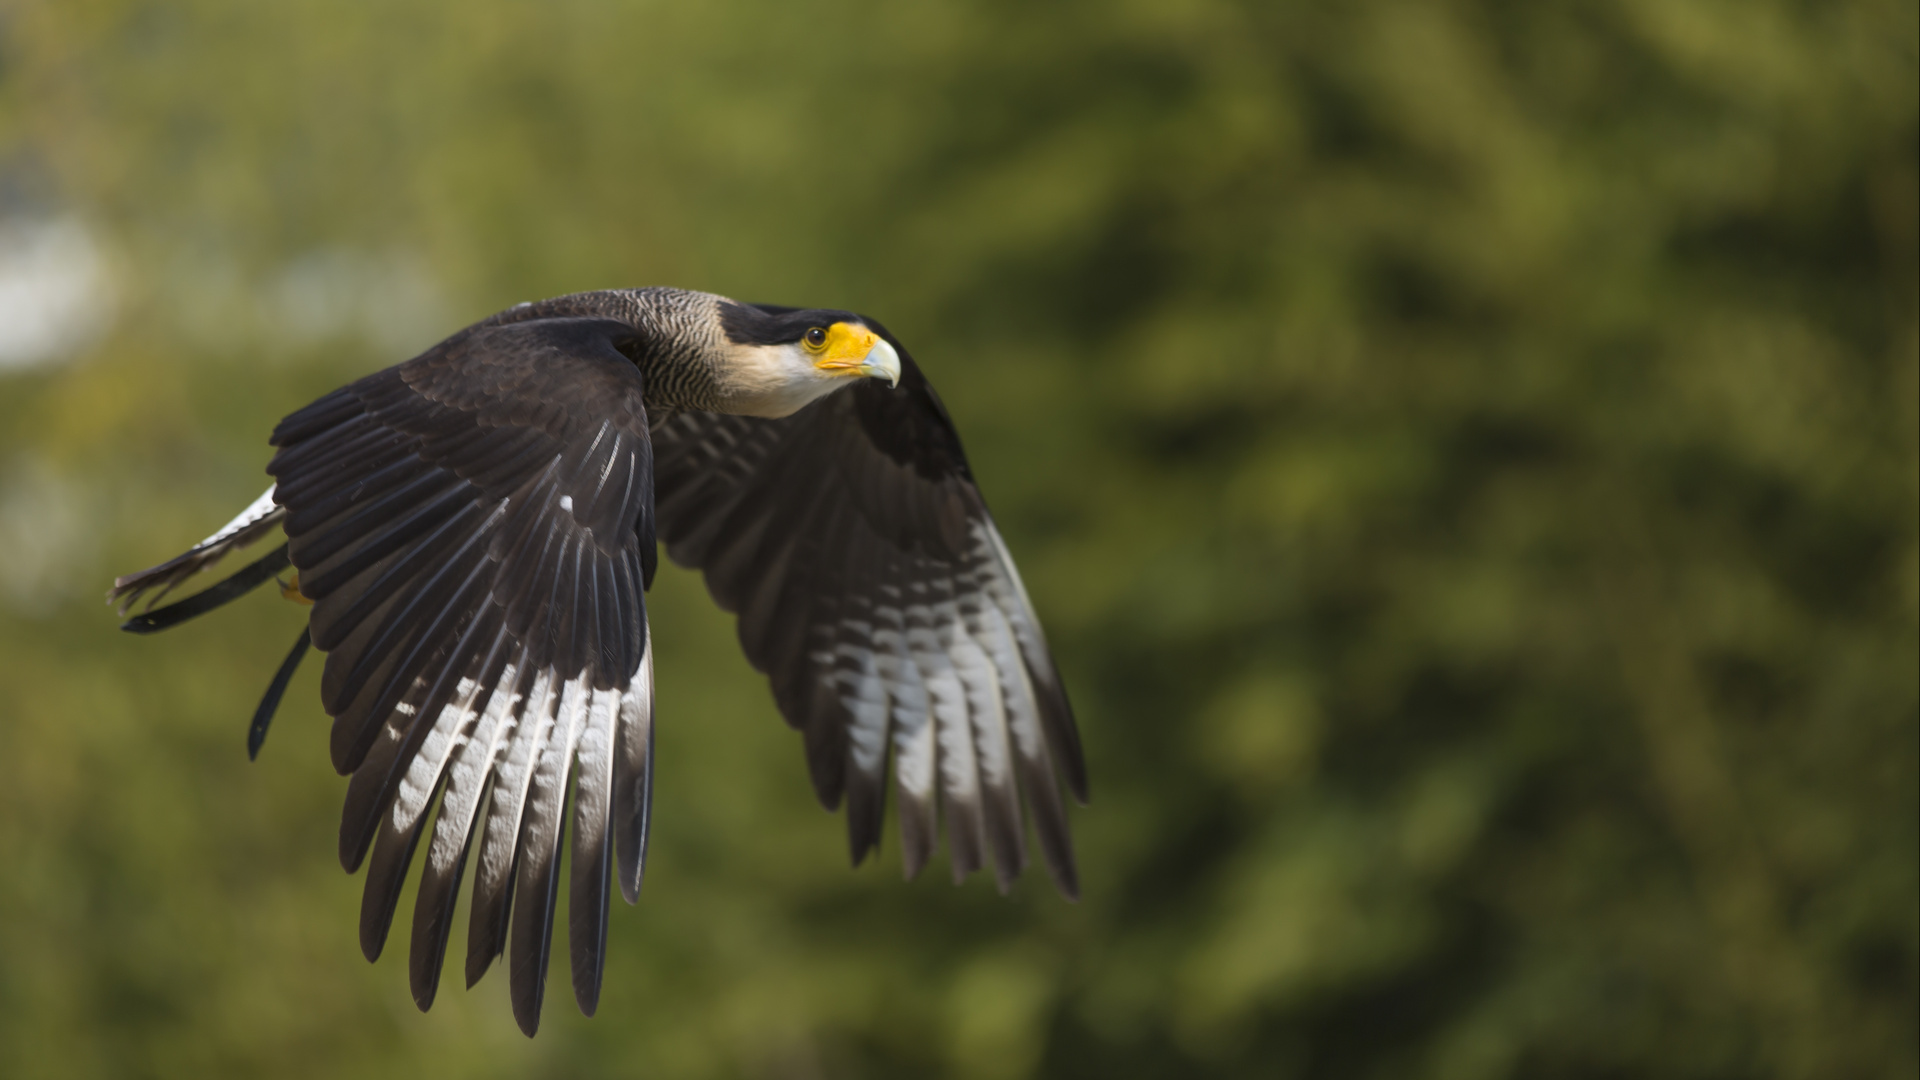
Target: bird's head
[778, 359]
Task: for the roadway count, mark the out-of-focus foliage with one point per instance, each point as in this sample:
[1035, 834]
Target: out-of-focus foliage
[1465, 453]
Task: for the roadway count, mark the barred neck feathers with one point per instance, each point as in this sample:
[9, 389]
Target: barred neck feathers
[702, 352]
[682, 349]
[678, 344]
[711, 354]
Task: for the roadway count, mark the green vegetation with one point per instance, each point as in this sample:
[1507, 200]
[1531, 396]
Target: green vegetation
[1466, 454]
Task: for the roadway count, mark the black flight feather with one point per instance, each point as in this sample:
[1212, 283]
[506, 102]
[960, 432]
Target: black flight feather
[270, 702]
[256, 574]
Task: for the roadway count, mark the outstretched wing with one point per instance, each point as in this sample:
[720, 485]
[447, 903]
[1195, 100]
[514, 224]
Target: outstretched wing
[875, 593]
[475, 529]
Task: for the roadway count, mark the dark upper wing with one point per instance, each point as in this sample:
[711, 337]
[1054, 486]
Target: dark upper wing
[876, 594]
[475, 529]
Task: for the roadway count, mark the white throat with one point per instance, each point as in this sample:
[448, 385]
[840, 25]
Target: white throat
[773, 381]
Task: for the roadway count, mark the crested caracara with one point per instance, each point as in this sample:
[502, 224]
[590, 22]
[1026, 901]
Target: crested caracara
[475, 530]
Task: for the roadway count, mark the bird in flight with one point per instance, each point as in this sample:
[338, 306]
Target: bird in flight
[475, 530]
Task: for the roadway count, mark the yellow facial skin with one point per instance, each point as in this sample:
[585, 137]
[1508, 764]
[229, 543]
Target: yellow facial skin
[850, 349]
[844, 348]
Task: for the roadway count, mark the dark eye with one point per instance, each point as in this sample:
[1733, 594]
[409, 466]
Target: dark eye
[816, 337]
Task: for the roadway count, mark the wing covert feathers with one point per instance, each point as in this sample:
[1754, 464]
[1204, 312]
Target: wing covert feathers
[875, 593]
[472, 527]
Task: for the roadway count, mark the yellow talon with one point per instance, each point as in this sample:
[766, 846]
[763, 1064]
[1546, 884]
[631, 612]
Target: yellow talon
[291, 589]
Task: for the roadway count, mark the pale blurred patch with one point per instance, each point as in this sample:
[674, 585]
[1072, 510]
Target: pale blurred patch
[46, 529]
[388, 300]
[56, 296]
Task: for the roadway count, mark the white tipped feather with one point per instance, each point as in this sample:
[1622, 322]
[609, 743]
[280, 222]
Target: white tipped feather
[255, 513]
[473, 763]
[864, 693]
[548, 791]
[960, 774]
[893, 662]
[423, 772]
[959, 765]
[592, 821]
[990, 628]
[915, 738]
[633, 775]
[914, 732]
[593, 796]
[259, 518]
[985, 707]
[513, 775]
[907, 714]
[539, 862]
[1009, 594]
[988, 700]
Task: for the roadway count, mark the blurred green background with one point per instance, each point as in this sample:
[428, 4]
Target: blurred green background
[1464, 452]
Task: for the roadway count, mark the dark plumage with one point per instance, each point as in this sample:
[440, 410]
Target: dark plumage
[475, 529]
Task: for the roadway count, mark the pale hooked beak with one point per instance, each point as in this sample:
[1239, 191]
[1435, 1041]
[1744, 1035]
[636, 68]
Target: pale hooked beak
[882, 362]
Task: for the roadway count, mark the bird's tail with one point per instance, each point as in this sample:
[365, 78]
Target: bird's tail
[254, 523]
